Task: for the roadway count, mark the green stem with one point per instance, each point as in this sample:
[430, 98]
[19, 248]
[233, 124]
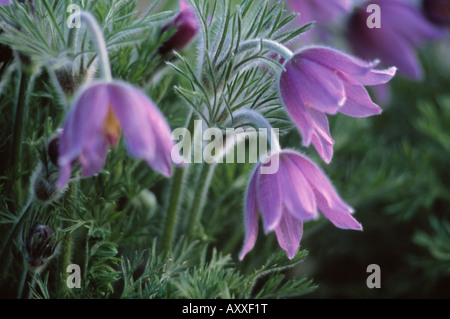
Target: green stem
[201, 193]
[99, 40]
[173, 208]
[64, 261]
[19, 126]
[268, 44]
[175, 198]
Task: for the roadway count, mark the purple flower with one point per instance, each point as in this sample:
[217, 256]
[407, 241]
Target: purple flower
[403, 29]
[5, 2]
[322, 12]
[319, 81]
[95, 122]
[290, 197]
[187, 26]
[437, 11]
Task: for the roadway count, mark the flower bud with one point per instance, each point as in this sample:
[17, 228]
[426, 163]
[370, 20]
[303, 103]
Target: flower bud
[53, 148]
[186, 24]
[40, 246]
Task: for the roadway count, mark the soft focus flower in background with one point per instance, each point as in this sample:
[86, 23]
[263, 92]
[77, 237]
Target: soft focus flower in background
[5, 2]
[319, 81]
[403, 30]
[187, 26]
[323, 12]
[95, 122]
[437, 11]
[288, 198]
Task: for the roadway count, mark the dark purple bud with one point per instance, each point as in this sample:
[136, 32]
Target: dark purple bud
[53, 148]
[187, 26]
[437, 11]
[40, 246]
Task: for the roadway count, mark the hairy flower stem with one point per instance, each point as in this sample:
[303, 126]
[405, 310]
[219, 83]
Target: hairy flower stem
[20, 122]
[175, 198]
[173, 208]
[201, 192]
[99, 40]
[267, 44]
[66, 244]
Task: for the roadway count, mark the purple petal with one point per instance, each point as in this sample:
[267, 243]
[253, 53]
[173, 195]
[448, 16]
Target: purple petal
[94, 154]
[298, 196]
[289, 233]
[251, 215]
[297, 111]
[321, 139]
[5, 2]
[407, 21]
[317, 87]
[350, 68]
[328, 200]
[269, 200]
[83, 131]
[339, 215]
[147, 134]
[359, 103]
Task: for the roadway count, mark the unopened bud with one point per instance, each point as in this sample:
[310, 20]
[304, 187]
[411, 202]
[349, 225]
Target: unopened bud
[40, 246]
[186, 24]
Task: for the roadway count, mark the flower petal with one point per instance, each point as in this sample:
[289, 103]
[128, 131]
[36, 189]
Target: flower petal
[251, 215]
[350, 68]
[269, 200]
[359, 103]
[328, 200]
[84, 129]
[318, 87]
[321, 139]
[289, 233]
[147, 134]
[298, 197]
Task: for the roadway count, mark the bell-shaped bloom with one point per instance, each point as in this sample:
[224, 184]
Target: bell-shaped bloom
[186, 24]
[100, 113]
[437, 11]
[401, 30]
[322, 12]
[319, 81]
[289, 197]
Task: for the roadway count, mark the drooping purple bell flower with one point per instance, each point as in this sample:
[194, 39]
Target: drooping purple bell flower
[403, 29]
[187, 26]
[319, 81]
[437, 11]
[99, 114]
[289, 197]
[322, 12]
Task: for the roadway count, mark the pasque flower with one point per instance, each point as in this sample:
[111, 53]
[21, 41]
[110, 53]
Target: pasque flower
[289, 197]
[403, 29]
[101, 111]
[319, 81]
[437, 11]
[322, 12]
[186, 25]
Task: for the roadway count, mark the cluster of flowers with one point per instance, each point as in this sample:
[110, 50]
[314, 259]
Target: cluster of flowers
[316, 82]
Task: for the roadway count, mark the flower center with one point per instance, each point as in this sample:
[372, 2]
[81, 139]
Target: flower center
[112, 128]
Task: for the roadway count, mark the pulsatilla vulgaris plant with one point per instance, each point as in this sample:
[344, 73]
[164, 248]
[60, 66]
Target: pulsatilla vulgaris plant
[157, 214]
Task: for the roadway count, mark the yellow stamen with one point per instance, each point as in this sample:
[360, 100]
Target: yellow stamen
[112, 128]
[307, 105]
